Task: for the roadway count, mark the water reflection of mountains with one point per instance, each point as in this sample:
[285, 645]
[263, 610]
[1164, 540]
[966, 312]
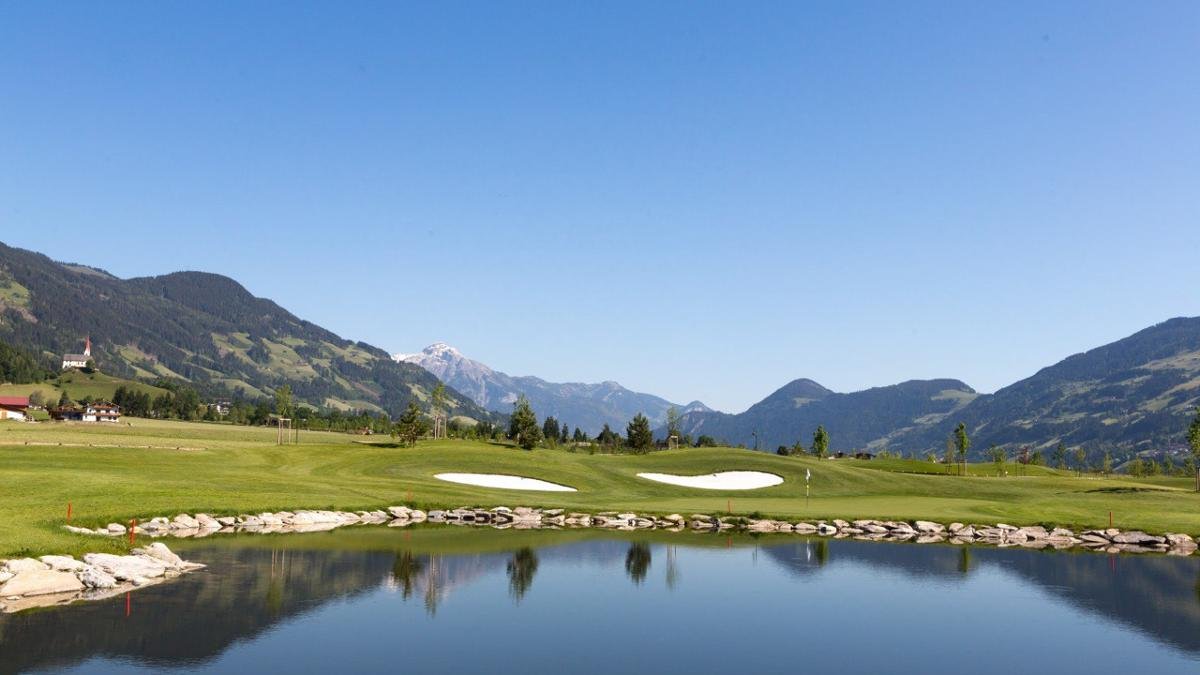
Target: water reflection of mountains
[1157, 595]
[248, 591]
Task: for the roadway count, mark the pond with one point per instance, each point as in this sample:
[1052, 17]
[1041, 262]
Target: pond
[441, 599]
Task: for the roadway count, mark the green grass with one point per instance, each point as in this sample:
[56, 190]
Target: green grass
[227, 470]
[78, 385]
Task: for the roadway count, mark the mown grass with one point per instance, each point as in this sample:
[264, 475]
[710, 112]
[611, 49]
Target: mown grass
[227, 470]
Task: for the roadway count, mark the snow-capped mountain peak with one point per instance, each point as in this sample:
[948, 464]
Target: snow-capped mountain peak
[588, 406]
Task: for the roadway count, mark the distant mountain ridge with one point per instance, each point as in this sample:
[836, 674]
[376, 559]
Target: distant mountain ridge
[1135, 394]
[854, 420]
[202, 328]
[587, 406]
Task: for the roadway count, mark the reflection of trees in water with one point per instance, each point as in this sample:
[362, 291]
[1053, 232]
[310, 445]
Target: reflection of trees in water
[637, 562]
[405, 571]
[821, 551]
[275, 584]
[433, 592]
[521, 569]
[672, 568]
[964, 560]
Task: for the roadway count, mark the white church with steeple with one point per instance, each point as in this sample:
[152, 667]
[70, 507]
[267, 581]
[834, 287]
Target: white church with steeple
[79, 360]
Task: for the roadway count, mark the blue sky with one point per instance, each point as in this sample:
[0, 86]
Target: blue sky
[700, 200]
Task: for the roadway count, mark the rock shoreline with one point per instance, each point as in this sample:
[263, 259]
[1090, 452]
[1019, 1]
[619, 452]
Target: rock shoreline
[26, 583]
[1109, 540]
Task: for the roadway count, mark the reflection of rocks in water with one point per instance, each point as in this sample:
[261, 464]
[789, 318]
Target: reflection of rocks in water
[194, 618]
[521, 569]
[637, 562]
[1157, 595]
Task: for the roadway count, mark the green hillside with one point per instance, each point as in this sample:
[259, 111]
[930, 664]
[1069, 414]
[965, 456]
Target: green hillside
[203, 329]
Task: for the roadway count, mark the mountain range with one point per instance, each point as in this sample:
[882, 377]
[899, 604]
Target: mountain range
[1132, 395]
[203, 329]
[587, 406]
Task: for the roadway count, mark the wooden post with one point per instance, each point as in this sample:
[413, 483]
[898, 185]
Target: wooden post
[68, 512]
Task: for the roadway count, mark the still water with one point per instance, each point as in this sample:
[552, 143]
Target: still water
[450, 600]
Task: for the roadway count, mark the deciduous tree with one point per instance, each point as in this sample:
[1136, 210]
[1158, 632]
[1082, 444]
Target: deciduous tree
[820, 444]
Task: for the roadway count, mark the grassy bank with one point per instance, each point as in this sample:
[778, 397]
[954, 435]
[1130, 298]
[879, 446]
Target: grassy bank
[220, 469]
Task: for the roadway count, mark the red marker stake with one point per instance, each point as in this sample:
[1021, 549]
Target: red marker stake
[68, 512]
[132, 531]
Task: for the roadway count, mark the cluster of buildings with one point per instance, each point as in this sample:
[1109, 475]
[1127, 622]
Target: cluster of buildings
[17, 408]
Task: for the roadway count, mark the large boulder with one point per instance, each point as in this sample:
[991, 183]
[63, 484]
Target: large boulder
[927, 527]
[207, 522]
[127, 567]
[24, 565]
[184, 522]
[1138, 538]
[161, 553]
[63, 563]
[92, 577]
[40, 582]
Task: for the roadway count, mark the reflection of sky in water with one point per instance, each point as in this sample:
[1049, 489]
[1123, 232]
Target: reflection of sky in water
[609, 605]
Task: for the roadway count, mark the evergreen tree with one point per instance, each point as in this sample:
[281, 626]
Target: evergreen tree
[638, 433]
[412, 424]
[1107, 464]
[820, 444]
[579, 436]
[550, 430]
[522, 426]
[1037, 458]
[1168, 466]
[1060, 456]
[608, 437]
[564, 436]
[962, 443]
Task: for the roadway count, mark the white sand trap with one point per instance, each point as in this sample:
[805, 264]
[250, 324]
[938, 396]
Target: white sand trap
[496, 480]
[725, 480]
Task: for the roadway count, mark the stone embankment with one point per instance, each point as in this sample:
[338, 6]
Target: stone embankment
[60, 579]
[921, 531]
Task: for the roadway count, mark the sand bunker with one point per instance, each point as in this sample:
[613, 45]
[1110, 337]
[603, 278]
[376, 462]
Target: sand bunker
[496, 480]
[725, 480]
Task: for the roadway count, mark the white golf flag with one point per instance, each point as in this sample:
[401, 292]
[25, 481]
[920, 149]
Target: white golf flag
[807, 475]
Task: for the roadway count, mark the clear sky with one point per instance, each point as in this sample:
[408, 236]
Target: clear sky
[699, 200]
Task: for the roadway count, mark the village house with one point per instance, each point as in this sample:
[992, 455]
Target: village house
[14, 408]
[91, 412]
[71, 361]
